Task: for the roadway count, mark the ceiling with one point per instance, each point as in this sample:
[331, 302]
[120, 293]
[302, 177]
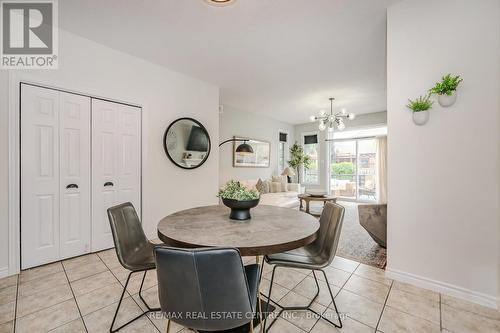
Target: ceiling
[283, 58]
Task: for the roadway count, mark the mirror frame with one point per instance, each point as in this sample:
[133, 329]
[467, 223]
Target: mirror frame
[165, 142]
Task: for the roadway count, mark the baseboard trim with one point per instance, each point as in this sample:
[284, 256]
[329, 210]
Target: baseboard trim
[4, 272]
[442, 287]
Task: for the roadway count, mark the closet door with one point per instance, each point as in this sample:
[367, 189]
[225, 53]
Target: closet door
[75, 204]
[39, 176]
[116, 164]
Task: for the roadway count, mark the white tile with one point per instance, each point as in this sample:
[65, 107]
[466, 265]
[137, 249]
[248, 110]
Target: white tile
[409, 288]
[307, 288]
[470, 307]
[46, 282]
[459, 321]
[372, 273]
[370, 289]
[356, 307]
[396, 321]
[348, 326]
[43, 299]
[337, 277]
[345, 264]
[39, 272]
[414, 305]
[49, 318]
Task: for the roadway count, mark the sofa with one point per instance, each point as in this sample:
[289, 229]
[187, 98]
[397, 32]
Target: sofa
[374, 219]
[287, 199]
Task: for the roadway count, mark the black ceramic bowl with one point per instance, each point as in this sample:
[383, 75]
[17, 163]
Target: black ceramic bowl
[240, 210]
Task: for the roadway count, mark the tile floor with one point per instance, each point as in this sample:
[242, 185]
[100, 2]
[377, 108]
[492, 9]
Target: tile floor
[81, 294]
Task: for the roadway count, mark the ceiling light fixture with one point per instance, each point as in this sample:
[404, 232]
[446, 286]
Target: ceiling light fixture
[220, 3]
[331, 120]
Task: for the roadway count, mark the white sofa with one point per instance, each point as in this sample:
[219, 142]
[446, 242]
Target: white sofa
[287, 199]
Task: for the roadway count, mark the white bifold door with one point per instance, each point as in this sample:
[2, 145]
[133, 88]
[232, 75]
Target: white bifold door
[79, 156]
[116, 150]
[55, 175]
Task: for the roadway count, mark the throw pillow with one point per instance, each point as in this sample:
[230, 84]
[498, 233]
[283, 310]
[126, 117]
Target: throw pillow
[275, 187]
[262, 186]
[282, 180]
[279, 179]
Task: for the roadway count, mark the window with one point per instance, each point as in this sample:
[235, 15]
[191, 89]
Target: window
[282, 148]
[311, 148]
[352, 169]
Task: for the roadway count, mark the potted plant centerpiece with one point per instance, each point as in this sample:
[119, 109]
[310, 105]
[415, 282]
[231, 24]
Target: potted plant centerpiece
[420, 107]
[239, 198]
[447, 89]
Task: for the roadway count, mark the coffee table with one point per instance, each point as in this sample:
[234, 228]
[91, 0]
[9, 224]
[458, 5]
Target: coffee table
[308, 198]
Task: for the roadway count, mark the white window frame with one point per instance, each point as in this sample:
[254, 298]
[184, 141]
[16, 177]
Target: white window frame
[286, 155]
[318, 150]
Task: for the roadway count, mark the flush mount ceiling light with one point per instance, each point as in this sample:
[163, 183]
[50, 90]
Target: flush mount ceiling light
[331, 120]
[220, 3]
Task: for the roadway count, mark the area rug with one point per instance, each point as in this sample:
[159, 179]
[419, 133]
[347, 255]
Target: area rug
[355, 243]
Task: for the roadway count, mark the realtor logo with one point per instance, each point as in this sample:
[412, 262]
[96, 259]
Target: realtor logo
[29, 34]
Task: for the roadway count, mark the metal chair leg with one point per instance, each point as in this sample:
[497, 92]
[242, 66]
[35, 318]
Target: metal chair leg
[142, 299]
[111, 329]
[334, 304]
[168, 325]
[307, 307]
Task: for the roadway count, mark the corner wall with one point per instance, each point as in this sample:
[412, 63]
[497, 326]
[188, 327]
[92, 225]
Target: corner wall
[444, 177]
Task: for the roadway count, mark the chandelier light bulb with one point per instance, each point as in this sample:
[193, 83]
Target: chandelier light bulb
[322, 113]
[340, 126]
[322, 126]
[312, 118]
[344, 111]
[331, 118]
[330, 128]
[351, 116]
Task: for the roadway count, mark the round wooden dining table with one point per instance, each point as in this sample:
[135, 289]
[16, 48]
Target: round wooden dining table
[270, 230]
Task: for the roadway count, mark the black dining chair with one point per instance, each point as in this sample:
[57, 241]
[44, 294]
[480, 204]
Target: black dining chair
[314, 257]
[133, 249]
[211, 283]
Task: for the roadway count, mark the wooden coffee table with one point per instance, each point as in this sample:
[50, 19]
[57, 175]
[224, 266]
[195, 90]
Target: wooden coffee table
[308, 198]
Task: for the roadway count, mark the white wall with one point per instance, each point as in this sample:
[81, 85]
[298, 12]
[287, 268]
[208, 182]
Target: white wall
[362, 120]
[4, 174]
[443, 178]
[234, 122]
[165, 95]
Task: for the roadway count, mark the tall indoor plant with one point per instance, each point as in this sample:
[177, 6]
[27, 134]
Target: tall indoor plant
[298, 159]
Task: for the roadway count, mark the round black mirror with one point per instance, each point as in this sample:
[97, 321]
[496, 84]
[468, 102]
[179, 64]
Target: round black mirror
[187, 143]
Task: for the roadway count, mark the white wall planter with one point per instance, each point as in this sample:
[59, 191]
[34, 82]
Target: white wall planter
[421, 118]
[447, 100]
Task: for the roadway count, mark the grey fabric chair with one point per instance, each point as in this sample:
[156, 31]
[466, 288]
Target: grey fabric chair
[374, 219]
[206, 281]
[314, 256]
[133, 249]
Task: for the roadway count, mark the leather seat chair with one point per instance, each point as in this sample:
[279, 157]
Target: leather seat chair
[314, 257]
[211, 283]
[133, 249]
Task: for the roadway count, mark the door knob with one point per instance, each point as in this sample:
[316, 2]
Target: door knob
[72, 186]
[108, 184]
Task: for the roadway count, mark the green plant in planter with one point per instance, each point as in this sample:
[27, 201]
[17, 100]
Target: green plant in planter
[422, 103]
[234, 190]
[298, 158]
[447, 85]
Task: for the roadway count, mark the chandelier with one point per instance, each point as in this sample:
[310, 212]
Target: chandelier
[331, 120]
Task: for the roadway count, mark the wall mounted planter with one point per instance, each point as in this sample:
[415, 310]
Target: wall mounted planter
[447, 100]
[421, 118]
